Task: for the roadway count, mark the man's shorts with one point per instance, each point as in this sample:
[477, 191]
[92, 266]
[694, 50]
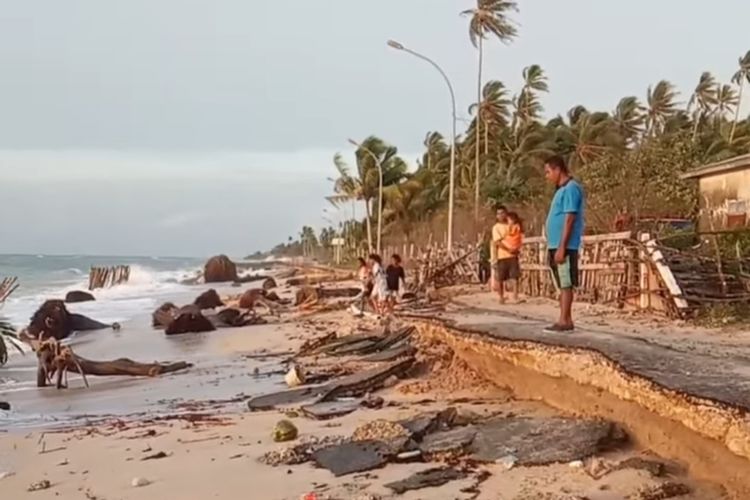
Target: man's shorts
[507, 269]
[565, 274]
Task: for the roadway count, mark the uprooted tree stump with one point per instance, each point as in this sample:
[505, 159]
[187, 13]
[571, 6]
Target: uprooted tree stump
[55, 361]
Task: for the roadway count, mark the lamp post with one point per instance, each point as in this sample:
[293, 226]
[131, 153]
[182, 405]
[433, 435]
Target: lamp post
[380, 187]
[395, 45]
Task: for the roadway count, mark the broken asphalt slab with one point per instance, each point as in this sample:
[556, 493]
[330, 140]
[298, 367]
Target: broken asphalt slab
[542, 441]
[352, 385]
[426, 479]
[349, 458]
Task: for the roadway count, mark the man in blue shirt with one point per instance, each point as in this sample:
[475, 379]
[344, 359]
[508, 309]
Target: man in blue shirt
[564, 233]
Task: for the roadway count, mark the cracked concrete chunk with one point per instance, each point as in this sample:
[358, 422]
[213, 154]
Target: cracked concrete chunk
[540, 441]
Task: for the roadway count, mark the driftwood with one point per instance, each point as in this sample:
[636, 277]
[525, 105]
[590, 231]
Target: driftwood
[104, 277]
[7, 286]
[55, 361]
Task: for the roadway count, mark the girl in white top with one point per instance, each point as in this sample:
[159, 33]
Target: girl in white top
[380, 284]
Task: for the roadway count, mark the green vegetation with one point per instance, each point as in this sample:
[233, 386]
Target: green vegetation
[629, 158]
[7, 337]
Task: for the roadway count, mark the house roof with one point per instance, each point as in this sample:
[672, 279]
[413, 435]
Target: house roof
[720, 167]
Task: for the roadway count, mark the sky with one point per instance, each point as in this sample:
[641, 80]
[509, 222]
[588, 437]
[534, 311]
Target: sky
[187, 127]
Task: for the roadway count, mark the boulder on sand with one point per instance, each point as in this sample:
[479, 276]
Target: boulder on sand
[220, 269]
[189, 319]
[78, 296]
[209, 300]
[164, 315]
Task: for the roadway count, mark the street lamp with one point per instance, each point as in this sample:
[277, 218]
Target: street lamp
[380, 187]
[395, 45]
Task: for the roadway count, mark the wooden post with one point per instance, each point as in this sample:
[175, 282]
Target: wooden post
[644, 274]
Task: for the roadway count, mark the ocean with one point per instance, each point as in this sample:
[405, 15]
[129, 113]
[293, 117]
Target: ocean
[217, 372]
[43, 277]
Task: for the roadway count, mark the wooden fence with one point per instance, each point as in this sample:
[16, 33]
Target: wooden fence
[609, 269]
[104, 277]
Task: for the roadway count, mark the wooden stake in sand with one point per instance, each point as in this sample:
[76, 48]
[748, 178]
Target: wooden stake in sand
[105, 277]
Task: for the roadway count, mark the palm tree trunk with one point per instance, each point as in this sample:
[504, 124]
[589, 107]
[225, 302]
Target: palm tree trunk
[369, 226]
[737, 112]
[477, 132]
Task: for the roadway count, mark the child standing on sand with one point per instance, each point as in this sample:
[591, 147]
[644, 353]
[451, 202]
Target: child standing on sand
[379, 295]
[511, 244]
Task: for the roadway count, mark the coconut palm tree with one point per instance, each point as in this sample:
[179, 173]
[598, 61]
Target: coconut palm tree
[404, 207]
[740, 78]
[348, 189]
[490, 17]
[629, 119]
[660, 105]
[527, 104]
[587, 135]
[366, 185]
[493, 110]
[703, 99]
[726, 102]
[7, 337]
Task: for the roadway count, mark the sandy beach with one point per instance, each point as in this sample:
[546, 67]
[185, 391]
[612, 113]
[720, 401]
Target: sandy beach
[190, 435]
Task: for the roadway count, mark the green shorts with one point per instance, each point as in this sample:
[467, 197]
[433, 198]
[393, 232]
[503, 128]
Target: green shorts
[565, 274]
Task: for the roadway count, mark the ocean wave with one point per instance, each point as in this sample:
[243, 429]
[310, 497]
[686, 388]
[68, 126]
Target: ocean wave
[122, 302]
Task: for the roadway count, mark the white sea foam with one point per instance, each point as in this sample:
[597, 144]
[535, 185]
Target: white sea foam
[119, 303]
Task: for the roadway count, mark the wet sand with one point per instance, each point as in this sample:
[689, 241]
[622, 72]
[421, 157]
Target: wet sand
[221, 371]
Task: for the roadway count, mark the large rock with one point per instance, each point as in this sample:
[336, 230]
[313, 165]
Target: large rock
[52, 320]
[78, 296]
[209, 300]
[220, 269]
[164, 315]
[189, 319]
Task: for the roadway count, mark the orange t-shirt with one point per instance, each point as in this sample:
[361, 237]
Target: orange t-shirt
[514, 239]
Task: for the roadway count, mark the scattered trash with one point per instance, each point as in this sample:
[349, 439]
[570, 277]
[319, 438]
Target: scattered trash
[155, 456]
[284, 430]
[576, 464]
[5, 474]
[4, 406]
[295, 377]
[508, 461]
[139, 482]
[44, 484]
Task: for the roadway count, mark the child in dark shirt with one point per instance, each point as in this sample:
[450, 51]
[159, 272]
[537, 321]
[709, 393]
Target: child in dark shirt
[395, 277]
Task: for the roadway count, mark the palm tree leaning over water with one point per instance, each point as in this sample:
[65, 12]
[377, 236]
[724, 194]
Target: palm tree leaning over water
[490, 17]
[740, 78]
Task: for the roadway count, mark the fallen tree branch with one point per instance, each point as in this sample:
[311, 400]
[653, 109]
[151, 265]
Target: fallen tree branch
[55, 360]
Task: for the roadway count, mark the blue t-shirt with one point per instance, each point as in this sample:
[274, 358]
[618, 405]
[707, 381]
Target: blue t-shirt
[568, 199]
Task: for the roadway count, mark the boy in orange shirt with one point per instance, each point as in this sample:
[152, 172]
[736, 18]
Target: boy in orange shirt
[510, 247]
